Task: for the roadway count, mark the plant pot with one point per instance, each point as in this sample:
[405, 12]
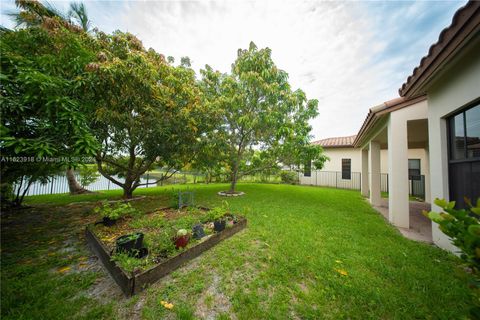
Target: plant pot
[130, 243]
[198, 232]
[108, 222]
[182, 241]
[218, 225]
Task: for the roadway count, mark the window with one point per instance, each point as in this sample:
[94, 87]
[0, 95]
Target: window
[346, 169]
[414, 169]
[307, 169]
[464, 155]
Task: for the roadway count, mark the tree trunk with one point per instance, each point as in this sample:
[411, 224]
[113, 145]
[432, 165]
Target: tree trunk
[233, 179]
[127, 193]
[73, 185]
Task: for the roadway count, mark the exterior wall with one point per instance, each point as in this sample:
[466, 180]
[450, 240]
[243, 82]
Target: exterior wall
[337, 154]
[355, 154]
[459, 86]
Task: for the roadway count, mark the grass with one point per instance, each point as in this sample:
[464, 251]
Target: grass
[307, 252]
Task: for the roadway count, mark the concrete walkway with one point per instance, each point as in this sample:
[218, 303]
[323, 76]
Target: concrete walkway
[420, 226]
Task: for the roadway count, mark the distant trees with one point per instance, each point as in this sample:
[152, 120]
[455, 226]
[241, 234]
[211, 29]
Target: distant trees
[70, 92]
[261, 120]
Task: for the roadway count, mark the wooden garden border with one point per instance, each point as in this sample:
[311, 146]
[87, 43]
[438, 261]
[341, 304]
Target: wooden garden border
[134, 283]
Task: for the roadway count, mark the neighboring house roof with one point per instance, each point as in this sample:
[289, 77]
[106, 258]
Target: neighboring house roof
[381, 110]
[465, 24]
[336, 142]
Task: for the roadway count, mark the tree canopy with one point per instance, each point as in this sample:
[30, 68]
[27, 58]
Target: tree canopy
[41, 113]
[261, 121]
[69, 91]
[145, 111]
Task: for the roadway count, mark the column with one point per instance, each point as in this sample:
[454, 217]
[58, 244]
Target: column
[364, 174]
[398, 202]
[374, 176]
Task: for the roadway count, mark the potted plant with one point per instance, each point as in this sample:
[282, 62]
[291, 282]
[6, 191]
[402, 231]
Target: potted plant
[111, 213]
[198, 232]
[182, 238]
[219, 224]
[132, 244]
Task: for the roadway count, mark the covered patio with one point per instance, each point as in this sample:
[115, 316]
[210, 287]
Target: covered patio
[398, 127]
[420, 227]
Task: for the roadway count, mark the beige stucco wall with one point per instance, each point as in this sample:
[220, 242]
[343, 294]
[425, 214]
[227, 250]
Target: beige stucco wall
[337, 154]
[355, 154]
[459, 86]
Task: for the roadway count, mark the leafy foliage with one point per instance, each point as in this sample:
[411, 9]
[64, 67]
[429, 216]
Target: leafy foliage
[41, 114]
[290, 177]
[463, 227]
[127, 262]
[143, 108]
[88, 175]
[260, 119]
[116, 210]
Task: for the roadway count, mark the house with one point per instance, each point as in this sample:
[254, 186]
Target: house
[343, 168]
[438, 111]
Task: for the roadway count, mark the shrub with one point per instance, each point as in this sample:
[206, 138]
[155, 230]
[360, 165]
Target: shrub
[463, 227]
[88, 175]
[289, 177]
[116, 210]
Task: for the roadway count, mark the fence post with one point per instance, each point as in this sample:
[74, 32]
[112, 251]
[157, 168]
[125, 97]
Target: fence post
[336, 179]
[161, 179]
[51, 188]
[108, 188]
[147, 179]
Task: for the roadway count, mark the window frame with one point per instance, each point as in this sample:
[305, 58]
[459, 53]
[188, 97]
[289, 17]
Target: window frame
[307, 172]
[452, 181]
[347, 175]
[415, 177]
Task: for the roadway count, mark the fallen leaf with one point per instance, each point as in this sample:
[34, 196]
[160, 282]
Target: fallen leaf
[166, 305]
[64, 269]
[342, 272]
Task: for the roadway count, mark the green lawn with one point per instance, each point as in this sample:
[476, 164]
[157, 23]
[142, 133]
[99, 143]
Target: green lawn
[309, 253]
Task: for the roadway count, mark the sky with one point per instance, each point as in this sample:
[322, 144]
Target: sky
[350, 56]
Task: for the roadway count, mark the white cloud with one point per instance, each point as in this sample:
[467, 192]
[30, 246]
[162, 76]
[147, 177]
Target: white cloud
[325, 47]
[348, 55]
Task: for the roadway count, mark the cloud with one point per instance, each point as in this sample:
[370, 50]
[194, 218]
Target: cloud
[348, 55]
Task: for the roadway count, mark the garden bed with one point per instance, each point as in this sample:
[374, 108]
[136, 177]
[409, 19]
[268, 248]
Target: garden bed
[134, 274]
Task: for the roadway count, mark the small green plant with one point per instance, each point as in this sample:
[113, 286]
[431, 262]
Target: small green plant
[88, 175]
[214, 214]
[126, 262]
[116, 210]
[289, 177]
[463, 227]
[160, 243]
[131, 237]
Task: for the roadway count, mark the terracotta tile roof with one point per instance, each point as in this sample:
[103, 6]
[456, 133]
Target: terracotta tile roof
[376, 112]
[336, 142]
[465, 24]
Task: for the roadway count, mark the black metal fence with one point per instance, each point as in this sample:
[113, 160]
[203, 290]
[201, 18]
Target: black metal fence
[334, 179]
[58, 184]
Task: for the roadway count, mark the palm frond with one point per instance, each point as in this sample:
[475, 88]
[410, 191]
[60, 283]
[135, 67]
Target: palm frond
[78, 12]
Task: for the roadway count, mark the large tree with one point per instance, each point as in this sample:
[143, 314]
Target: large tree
[41, 114]
[261, 121]
[33, 14]
[145, 111]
